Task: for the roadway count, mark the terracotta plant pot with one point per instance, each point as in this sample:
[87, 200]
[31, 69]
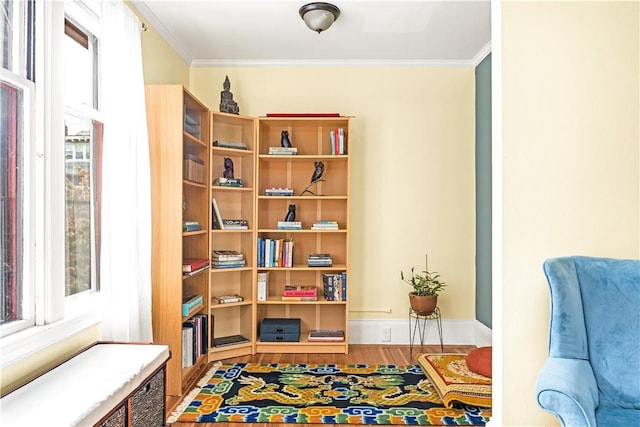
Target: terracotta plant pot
[423, 305]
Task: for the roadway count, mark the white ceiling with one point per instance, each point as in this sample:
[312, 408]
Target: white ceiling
[245, 32]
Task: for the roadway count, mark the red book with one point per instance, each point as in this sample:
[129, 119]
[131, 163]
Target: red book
[300, 291]
[192, 264]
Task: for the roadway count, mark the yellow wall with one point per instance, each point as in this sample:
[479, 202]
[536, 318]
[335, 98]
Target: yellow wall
[412, 168]
[570, 73]
[162, 64]
[33, 365]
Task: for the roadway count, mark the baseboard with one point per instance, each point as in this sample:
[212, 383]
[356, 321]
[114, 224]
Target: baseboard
[454, 331]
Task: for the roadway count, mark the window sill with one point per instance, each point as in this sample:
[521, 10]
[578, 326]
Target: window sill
[37, 338]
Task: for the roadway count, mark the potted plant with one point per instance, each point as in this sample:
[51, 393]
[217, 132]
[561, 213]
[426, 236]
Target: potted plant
[426, 287]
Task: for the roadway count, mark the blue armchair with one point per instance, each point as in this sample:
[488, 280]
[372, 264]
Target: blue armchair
[592, 375]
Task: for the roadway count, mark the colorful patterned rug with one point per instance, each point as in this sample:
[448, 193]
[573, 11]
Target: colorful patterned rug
[324, 394]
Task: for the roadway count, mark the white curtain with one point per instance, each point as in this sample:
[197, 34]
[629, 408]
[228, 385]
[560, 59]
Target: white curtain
[125, 267]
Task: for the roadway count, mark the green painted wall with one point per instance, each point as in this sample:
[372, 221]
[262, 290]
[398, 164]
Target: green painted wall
[483, 191]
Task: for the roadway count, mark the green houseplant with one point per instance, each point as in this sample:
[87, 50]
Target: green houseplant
[426, 287]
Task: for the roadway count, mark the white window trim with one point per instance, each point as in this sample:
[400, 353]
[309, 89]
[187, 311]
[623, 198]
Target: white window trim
[56, 318]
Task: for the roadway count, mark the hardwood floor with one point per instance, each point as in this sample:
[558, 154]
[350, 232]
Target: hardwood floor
[366, 354]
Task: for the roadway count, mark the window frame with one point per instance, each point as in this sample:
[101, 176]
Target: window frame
[55, 317]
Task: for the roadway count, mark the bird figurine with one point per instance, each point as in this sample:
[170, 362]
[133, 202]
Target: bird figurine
[317, 173]
[284, 139]
[291, 214]
[315, 178]
[228, 168]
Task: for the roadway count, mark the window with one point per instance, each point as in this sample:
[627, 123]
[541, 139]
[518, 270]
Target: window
[10, 204]
[83, 135]
[51, 152]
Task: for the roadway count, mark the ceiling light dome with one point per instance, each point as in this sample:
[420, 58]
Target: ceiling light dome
[319, 16]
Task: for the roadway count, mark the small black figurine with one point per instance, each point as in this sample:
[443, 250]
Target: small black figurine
[284, 139]
[291, 214]
[317, 173]
[228, 168]
[316, 177]
[227, 104]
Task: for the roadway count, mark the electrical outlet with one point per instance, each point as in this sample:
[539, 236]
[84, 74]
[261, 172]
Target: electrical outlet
[386, 335]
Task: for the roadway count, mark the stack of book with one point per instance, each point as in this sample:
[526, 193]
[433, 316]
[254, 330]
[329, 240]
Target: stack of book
[325, 225]
[283, 151]
[228, 182]
[235, 224]
[289, 225]
[335, 286]
[279, 191]
[191, 266]
[191, 226]
[226, 299]
[275, 252]
[193, 169]
[195, 339]
[227, 259]
[192, 124]
[337, 141]
[326, 335]
[230, 144]
[299, 293]
[320, 260]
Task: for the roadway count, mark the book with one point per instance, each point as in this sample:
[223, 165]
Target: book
[279, 191]
[289, 225]
[228, 182]
[263, 285]
[216, 218]
[231, 222]
[193, 273]
[191, 226]
[324, 225]
[286, 298]
[190, 303]
[229, 340]
[303, 114]
[226, 299]
[230, 144]
[299, 291]
[189, 265]
[326, 335]
[226, 255]
[193, 168]
[283, 151]
[319, 260]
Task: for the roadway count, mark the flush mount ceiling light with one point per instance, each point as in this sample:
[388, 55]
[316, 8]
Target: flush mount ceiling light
[319, 16]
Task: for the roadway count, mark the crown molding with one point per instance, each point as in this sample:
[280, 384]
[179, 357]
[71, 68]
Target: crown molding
[180, 48]
[328, 63]
[483, 53]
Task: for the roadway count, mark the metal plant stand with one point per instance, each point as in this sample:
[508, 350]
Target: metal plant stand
[418, 325]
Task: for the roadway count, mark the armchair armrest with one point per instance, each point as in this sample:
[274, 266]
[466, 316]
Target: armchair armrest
[567, 388]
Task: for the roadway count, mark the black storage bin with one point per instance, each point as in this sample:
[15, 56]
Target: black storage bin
[280, 330]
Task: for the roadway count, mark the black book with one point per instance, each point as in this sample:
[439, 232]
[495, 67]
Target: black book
[230, 340]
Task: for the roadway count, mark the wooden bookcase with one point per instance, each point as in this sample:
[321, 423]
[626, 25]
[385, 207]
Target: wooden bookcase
[171, 111]
[236, 318]
[311, 137]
